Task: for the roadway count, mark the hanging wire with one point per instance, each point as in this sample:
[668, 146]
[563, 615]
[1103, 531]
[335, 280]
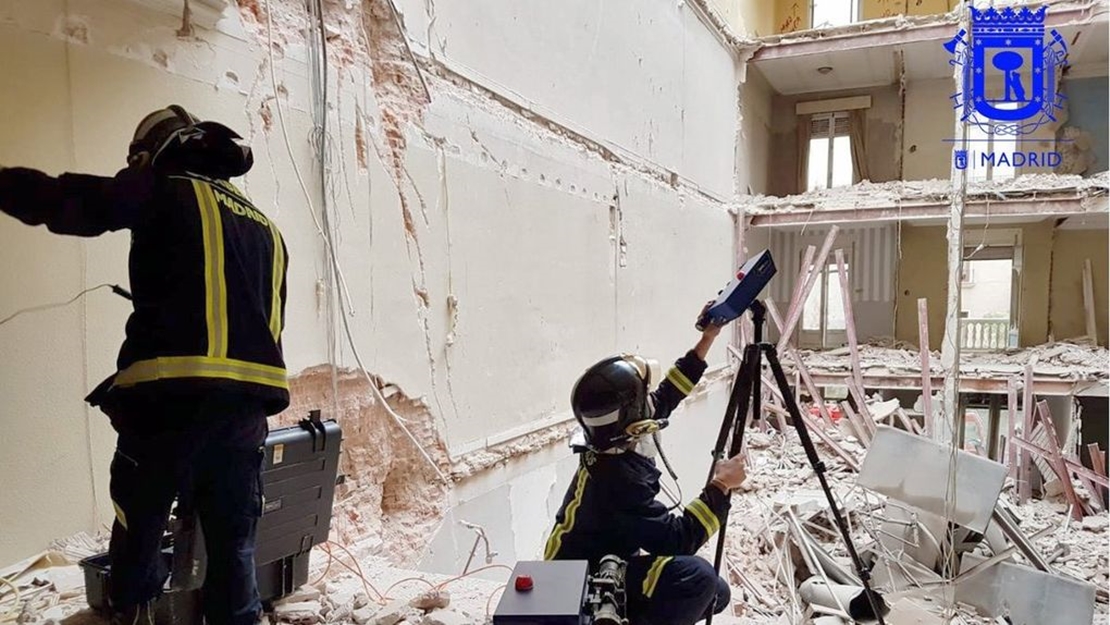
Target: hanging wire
[117, 289]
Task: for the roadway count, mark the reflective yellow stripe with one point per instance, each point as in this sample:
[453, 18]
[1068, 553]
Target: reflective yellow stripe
[172, 367]
[555, 541]
[215, 285]
[652, 577]
[680, 381]
[120, 516]
[278, 271]
[705, 516]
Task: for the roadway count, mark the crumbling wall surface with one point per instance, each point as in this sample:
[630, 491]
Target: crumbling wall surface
[601, 76]
[391, 496]
[560, 196]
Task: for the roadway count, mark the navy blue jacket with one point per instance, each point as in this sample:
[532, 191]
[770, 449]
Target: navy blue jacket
[610, 506]
[207, 271]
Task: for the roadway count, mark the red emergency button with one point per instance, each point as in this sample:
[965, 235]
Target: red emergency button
[524, 583]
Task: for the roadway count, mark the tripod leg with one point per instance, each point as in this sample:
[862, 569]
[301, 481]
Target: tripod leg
[878, 606]
[750, 389]
[737, 405]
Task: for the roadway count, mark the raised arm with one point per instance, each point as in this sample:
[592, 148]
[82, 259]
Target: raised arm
[76, 204]
[684, 375]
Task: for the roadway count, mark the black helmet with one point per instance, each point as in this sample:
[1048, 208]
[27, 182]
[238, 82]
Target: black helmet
[174, 138]
[611, 401]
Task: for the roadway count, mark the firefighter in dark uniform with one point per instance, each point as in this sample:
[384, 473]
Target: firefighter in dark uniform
[611, 508]
[201, 366]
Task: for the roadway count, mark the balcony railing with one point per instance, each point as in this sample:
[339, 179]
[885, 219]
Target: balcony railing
[984, 334]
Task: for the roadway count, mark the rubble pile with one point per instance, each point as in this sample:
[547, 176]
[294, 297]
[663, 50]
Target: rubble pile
[868, 194]
[1062, 360]
[781, 541]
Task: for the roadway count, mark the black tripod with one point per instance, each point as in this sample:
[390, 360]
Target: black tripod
[746, 391]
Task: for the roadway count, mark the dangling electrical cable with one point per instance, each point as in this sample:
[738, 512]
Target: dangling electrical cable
[117, 289]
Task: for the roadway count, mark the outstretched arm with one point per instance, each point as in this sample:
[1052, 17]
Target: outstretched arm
[75, 204]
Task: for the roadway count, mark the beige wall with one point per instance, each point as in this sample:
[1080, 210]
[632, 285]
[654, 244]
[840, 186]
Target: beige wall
[881, 142]
[1069, 249]
[1043, 282]
[556, 255]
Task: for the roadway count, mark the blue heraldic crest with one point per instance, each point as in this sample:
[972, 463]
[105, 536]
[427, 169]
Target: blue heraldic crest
[1008, 49]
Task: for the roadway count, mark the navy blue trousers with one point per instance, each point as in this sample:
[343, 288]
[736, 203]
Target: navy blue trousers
[214, 459]
[679, 590]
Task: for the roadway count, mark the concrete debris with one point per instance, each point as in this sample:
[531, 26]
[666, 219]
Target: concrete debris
[768, 564]
[907, 192]
[431, 600]
[1095, 523]
[298, 613]
[447, 617]
[394, 613]
[1061, 360]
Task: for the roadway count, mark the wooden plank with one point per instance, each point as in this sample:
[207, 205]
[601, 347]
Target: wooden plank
[1097, 461]
[1095, 501]
[1089, 301]
[849, 317]
[1025, 464]
[799, 366]
[1074, 467]
[1058, 462]
[1099, 466]
[926, 367]
[796, 306]
[863, 433]
[907, 422]
[866, 417]
[1011, 427]
[796, 294]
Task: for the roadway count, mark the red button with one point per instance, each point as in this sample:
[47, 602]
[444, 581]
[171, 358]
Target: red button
[739, 275]
[524, 583]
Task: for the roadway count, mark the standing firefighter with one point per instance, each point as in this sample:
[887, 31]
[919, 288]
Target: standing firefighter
[611, 508]
[201, 367]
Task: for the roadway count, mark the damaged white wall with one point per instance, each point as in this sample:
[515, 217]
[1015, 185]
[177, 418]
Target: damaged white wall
[566, 186]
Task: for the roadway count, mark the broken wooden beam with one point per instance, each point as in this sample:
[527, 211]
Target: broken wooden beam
[1057, 461]
[1074, 467]
[1098, 462]
[803, 371]
[1011, 427]
[849, 317]
[796, 307]
[1025, 463]
[926, 366]
[796, 299]
[1089, 301]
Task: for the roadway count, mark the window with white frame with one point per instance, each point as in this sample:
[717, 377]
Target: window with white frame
[991, 140]
[825, 13]
[830, 152]
[823, 318]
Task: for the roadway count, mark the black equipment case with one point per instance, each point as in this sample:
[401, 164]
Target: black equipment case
[299, 478]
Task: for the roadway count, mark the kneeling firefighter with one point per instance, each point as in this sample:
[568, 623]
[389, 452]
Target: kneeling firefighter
[611, 508]
[201, 366]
